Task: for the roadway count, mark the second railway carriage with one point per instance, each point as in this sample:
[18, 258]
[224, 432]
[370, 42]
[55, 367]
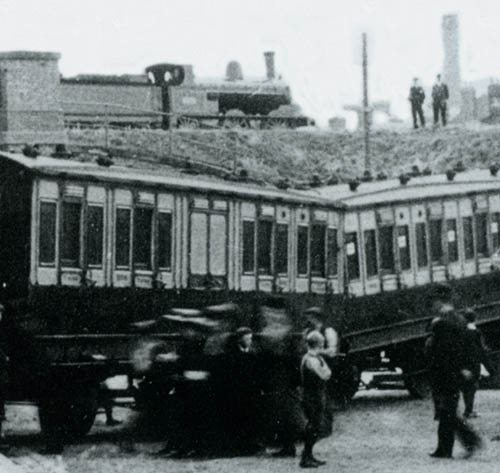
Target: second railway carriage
[91, 249]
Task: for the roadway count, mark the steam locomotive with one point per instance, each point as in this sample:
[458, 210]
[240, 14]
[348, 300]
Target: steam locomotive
[169, 95]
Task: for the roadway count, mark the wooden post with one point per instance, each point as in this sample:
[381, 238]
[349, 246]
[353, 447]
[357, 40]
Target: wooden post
[366, 112]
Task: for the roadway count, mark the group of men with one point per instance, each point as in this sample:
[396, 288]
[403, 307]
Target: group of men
[440, 95]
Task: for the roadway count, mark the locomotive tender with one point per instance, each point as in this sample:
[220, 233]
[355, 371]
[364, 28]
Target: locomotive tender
[92, 249]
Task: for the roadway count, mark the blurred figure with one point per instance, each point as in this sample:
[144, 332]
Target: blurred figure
[478, 355]
[314, 374]
[440, 95]
[416, 98]
[448, 360]
[4, 374]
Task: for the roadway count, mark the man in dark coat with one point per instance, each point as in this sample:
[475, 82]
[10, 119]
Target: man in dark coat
[440, 95]
[448, 352]
[416, 98]
[477, 356]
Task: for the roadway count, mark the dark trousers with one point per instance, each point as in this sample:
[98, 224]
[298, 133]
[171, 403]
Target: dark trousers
[469, 389]
[439, 108]
[314, 410]
[450, 425]
[416, 110]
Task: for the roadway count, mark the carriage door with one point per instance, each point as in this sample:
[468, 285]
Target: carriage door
[208, 244]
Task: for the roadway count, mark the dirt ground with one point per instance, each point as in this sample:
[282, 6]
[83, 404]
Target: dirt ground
[380, 432]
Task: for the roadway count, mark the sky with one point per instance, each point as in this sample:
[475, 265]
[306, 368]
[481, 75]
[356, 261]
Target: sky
[316, 42]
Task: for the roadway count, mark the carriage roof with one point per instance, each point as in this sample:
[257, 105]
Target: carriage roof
[156, 175]
[422, 188]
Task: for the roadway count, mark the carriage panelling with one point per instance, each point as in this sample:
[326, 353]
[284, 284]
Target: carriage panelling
[303, 245]
[404, 246]
[95, 235]
[451, 239]
[386, 249]
[436, 244]
[419, 235]
[369, 252]
[167, 224]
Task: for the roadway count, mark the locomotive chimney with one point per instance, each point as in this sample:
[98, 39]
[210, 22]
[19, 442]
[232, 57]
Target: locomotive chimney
[269, 57]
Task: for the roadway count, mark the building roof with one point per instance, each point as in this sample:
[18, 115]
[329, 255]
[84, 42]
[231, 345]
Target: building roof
[391, 191]
[157, 175]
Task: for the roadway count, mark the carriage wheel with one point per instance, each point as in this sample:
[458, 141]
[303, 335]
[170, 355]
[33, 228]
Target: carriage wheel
[69, 418]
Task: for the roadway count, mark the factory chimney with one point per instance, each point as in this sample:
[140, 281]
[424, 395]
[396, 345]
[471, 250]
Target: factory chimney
[269, 57]
[451, 65]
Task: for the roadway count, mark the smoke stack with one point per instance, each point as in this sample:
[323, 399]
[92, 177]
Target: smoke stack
[451, 66]
[269, 57]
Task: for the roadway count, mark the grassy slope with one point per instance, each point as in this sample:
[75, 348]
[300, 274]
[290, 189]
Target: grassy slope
[298, 155]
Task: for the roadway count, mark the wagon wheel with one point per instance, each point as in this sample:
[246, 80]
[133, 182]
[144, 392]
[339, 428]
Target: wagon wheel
[69, 418]
[418, 385]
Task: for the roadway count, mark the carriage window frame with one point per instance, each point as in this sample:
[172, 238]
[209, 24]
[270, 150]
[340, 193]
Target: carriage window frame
[495, 236]
[452, 246]
[119, 234]
[248, 249]
[320, 271]
[75, 261]
[468, 238]
[165, 250]
[139, 240]
[421, 245]
[404, 252]
[353, 259]
[436, 240]
[481, 234]
[88, 240]
[52, 236]
[265, 251]
[387, 262]
[370, 247]
[281, 241]
[303, 250]
[332, 251]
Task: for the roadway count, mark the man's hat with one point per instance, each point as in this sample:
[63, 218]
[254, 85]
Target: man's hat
[242, 331]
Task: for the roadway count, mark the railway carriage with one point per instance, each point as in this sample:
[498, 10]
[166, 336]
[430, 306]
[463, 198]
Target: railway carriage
[91, 249]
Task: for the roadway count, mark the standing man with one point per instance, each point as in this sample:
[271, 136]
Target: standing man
[314, 374]
[440, 95]
[477, 355]
[448, 354]
[416, 98]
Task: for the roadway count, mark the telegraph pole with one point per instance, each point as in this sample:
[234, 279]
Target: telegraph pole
[366, 112]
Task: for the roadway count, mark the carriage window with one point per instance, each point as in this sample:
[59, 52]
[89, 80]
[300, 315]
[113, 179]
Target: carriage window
[386, 240]
[248, 246]
[122, 239]
[482, 234]
[404, 247]
[47, 243]
[332, 251]
[468, 238]
[451, 238]
[421, 236]
[165, 240]
[495, 221]
[302, 244]
[435, 227]
[318, 233]
[351, 249]
[281, 248]
[143, 231]
[95, 219]
[370, 253]
[264, 238]
[70, 239]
